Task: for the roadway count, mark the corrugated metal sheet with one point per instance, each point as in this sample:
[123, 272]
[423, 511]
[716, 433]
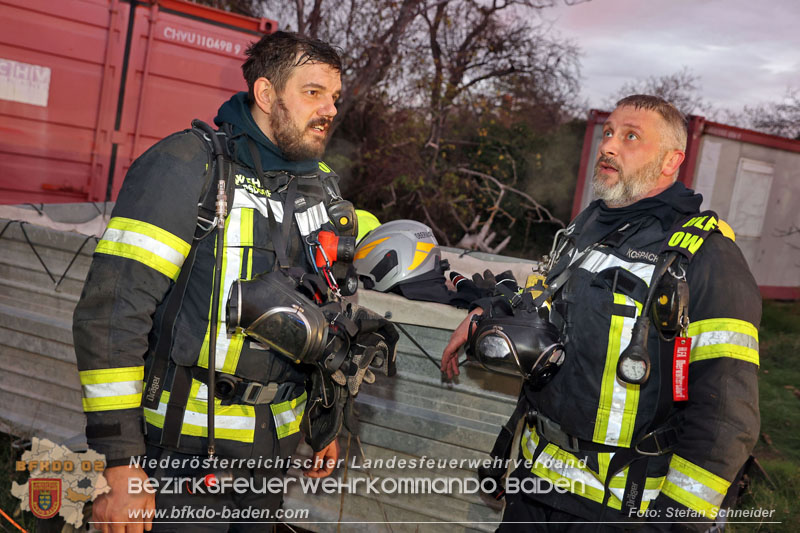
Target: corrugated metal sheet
[411, 416]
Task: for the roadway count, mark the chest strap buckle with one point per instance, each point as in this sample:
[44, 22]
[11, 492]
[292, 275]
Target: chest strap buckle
[257, 393]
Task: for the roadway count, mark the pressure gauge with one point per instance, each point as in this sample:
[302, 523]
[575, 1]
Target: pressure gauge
[633, 369]
[634, 361]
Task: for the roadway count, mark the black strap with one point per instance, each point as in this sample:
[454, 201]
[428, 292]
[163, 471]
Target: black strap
[280, 239]
[562, 278]
[501, 451]
[176, 407]
[160, 355]
[659, 440]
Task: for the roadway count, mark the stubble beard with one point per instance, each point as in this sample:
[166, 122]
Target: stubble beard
[291, 139]
[629, 188]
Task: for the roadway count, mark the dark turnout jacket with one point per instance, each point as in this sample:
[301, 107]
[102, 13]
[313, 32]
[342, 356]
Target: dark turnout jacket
[716, 427]
[121, 313]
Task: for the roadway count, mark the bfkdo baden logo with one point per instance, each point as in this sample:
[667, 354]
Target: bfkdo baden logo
[44, 497]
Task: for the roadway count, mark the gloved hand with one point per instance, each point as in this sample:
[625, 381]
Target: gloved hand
[324, 413]
[374, 331]
[496, 285]
[330, 403]
[367, 350]
[467, 289]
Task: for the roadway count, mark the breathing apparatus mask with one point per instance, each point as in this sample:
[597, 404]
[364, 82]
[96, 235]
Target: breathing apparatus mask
[291, 315]
[516, 339]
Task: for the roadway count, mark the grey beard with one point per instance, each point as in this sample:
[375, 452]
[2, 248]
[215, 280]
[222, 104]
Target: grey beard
[628, 189]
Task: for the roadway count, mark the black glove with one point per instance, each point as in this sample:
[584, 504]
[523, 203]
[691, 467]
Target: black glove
[374, 331]
[324, 414]
[467, 290]
[498, 285]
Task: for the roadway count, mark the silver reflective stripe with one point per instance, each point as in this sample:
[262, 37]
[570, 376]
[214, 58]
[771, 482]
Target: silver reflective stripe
[598, 260]
[233, 268]
[695, 488]
[311, 219]
[724, 337]
[201, 419]
[242, 198]
[290, 415]
[105, 390]
[619, 393]
[147, 243]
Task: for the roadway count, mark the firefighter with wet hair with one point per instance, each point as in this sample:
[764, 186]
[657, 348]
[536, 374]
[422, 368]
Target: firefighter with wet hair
[653, 409]
[142, 331]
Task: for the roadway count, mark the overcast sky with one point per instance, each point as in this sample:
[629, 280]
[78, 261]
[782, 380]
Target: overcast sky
[744, 51]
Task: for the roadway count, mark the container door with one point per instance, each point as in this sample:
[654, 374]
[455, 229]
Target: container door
[59, 85]
[179, 69]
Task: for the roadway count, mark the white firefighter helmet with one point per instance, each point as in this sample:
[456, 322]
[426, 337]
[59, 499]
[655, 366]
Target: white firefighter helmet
[396, 252]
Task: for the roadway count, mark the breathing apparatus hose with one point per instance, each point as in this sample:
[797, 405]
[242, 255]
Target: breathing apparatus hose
[219, 221]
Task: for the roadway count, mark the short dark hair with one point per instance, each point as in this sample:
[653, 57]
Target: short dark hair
[275, 55]
[674, 119]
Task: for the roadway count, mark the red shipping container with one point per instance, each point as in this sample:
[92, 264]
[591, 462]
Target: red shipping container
[86, 86]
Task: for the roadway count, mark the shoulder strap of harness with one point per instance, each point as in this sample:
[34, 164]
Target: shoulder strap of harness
[682, 243]
[159, 365]
[279, 237]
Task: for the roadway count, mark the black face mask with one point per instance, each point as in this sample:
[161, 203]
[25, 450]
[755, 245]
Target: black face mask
[520, 345]
[273, 310]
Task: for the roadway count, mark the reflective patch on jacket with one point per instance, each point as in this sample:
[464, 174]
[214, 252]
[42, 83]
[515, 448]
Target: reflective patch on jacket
[232, 422]
[574, 476]
[107, 389]
[724, 337]
[696, 488]
[287, 415]
[146, 243]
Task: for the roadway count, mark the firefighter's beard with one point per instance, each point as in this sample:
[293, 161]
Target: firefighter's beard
[293, 141]
[629, 188]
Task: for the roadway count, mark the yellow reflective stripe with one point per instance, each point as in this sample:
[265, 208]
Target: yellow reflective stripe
[584, 482]
[111, 375]
[159, 234]
[145, 243]
[421, 253]
[246, 233]
[560, 466]
[367, 248]
[609, 375]
[111, 403]
[229, 347]
[232, 422]
[287, 415]
[112, 388]
[695, 487]
[724, 337]
[618, 402]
